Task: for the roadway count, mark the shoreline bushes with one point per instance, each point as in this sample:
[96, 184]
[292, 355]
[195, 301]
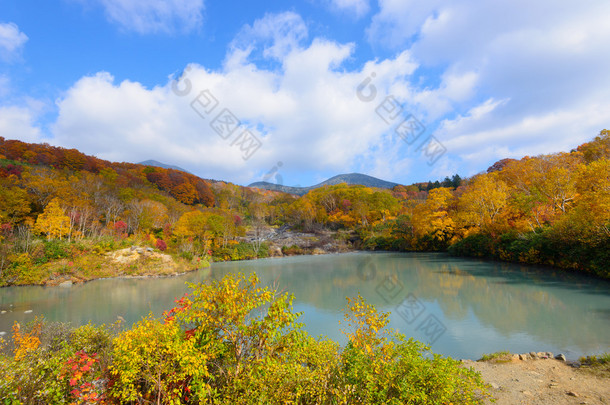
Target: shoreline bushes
[231, 342]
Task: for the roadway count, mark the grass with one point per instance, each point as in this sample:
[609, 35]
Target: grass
[498, 357]
[57, 261]
[598, 365]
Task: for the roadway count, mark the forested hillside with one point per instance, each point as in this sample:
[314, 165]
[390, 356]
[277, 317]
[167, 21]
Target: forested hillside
[58, 205]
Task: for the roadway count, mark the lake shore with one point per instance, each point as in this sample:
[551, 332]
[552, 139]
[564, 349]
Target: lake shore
[542, 381]
[139, 261]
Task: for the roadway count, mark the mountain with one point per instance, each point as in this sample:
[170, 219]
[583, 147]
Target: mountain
[162, 165]
[351, 178]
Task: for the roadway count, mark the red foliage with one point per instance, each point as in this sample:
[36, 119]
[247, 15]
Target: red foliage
[6, 229]
[79, 371]
[499, 165]
[167, 231]
[183, 304]
[120, 226]
[161, 245]
[11, 170]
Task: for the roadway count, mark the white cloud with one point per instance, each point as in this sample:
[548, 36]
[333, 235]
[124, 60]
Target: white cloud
[19, 123]
[155, 16]
[306, 113]
[277, 35]
[11, 41]
[542, 67]
[357, 8]
[531, 85]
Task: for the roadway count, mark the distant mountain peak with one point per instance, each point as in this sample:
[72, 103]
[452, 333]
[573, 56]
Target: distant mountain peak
[349, 178]
[162, 165]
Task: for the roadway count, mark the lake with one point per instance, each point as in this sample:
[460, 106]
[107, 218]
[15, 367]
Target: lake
[461, 307]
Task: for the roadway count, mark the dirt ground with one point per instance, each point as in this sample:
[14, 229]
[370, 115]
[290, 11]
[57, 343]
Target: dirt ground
[542, 381]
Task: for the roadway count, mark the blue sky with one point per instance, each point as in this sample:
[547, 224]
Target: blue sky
[400, 89]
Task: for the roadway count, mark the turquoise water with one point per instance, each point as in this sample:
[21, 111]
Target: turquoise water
[461, 307]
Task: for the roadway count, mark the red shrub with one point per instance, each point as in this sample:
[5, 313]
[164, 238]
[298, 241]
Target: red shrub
[161, 245]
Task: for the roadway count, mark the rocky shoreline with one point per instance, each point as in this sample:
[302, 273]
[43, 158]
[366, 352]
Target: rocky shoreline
[284, 242]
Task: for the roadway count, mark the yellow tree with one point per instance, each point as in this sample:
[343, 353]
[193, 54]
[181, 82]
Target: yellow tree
[599, 148]
[14, 202]
[593, 204]
[192, 224]
[528, 208]
[483, 201]
[433, 218]
[302, 212]
[154, 214]
[554, 177]
[53, 222]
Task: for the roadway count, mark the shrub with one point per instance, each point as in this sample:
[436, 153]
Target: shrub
[161, 245]
[477, 245]
[55, 249]
[41, 369]
[256, 348]
[292, 250]
[378, 366]
[156, 362]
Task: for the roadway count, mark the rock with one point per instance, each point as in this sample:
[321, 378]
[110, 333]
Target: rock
[275, 251]
[132, 248]
[318, 251]
[66, 284]
[29, 311]
[572, 394]
[2, 312]
[495, 386]
[149, 249]
[140, 250]
[516, 357]
[549, 355]
[561, 357]
[529, 394]
[534, 355]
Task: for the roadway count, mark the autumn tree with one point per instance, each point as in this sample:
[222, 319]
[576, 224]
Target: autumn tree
[302, 212]
[185, 193]
[554, 178]
[593, 204]
[433, 218]
[14, 202]
[483, 201]
[53, 222]
[45, 184]
[154, 214]
[599, 148]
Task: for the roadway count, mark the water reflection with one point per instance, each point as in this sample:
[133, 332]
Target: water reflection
[483, 306]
